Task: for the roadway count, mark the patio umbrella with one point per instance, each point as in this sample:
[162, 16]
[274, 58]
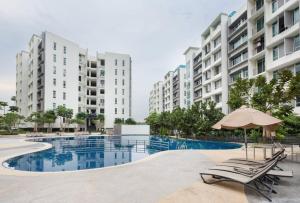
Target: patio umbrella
[247, 118]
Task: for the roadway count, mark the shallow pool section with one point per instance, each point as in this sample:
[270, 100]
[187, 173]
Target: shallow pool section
[79, 153]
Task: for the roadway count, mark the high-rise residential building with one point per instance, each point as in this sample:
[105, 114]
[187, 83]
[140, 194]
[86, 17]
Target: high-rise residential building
[168, 91]
[214, 60]
[190, 54]
[273, 38]
[197, 77]
[180, 87]
[156, 98]
[56, 71]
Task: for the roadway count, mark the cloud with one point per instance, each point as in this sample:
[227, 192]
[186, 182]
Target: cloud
[154, 32]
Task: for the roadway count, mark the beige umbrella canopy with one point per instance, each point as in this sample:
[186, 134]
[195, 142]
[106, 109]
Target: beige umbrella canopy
[247, 118]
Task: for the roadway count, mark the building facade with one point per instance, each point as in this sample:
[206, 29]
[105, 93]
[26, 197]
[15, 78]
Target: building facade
[156, 98]
[59, 72]
[261, 38]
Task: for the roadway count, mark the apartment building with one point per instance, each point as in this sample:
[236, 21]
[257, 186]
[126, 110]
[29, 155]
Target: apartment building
[190, 54]
[274, 41]
[197, 77]
[57, 72]
[156, 98]
[180, 88]
[214, 59]
[168, 92]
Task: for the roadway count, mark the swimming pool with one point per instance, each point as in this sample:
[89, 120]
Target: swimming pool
[79, 153]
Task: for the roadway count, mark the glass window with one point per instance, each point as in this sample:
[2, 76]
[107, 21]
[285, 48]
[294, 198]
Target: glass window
[218, 84]
[260, 24]
[65, 61]
[54, 69]
[275, 53]
[261, 66]
[116, 111]
[116, 101]
[64, 84]
[123, 82]
[123, 63]
[54, 94]
[116, 71]
[54, 57]
[123, 72]
[296, 16]
[297, 68]
[64, 72]
[65, 50]
[259, 4]
[116, 82]
[102, 62]
[297, 43]
[123, 91]
[218, 98]
[54, 45]
[116, 91]
[64, 96]
[274, 5]
[298, 101]
[275, 29]
[116, 62]
[54, 81]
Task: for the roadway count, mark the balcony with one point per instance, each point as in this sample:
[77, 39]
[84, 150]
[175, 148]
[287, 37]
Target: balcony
[256, 11]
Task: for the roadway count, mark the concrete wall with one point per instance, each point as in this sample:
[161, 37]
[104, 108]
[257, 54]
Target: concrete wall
[132, 130]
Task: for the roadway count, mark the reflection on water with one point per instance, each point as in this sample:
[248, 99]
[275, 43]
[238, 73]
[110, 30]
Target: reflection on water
[78, 153]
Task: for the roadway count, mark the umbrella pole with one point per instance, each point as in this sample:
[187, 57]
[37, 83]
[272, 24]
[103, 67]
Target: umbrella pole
[245, 134]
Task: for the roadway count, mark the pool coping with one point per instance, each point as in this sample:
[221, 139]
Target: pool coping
[28, 140]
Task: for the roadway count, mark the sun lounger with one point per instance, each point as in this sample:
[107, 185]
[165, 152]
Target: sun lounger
[256, 178]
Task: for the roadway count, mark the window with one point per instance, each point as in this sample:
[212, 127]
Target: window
[116, 71]
[54, 105]
[217, 70]
[64, 72]
[259, 4]
[79, 99]
[275, 30]
[296, 16]
[218, 98]
[65, 61]
[217, 41]
[123, 111]
[102, 72]
[65, 50]
[123, 63]
[102, 62]
[217, 55]
[54, 81]
[54, 94]
[261, 66]
[123, 101]
[116, 111]
[79, 88]
[64, 84]
[297, 101]
[116, 101]
[274, 5]
[102, 91]
[54, 69]
[207, 63]
[297, 43]
[297, 68]
[275, 53]
[79, 68]
[123, 82]
[260, 24]
[218, 84]
[64, 96]
[101, 110]
[123, 72]
[208, 88]
[54, 57]
[116, 62]
[54, 45]
[116, 81]
[116, 91]
[79, 78]
[123, 91]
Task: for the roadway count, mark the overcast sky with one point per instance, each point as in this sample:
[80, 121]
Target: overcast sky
[154, 32]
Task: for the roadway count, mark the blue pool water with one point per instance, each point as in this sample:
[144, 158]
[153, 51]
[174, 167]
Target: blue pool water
[78, 153]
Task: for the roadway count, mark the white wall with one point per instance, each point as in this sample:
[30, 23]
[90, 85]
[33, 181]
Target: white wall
[135, 130]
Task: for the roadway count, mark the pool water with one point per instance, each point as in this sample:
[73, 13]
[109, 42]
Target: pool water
[79, 153]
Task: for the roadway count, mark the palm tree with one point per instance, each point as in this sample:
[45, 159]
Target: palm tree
[99, 121]
[80, 119]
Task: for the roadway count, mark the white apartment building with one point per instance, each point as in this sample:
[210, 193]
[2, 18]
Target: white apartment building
[168, 91]
[214, 60]
[156, 98]
[56, 71]
[274, 38]
[190, 54]
[180, 88]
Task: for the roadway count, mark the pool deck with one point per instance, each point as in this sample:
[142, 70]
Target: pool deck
[165, 177]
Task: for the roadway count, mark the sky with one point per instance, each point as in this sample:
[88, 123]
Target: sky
[154, 32]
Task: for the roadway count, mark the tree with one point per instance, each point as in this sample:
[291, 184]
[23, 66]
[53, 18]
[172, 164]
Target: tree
[130, 121]
[99, 122]
[63, 114]
[153, 121]
[35, 118]
[69, 115]
[119, 121]
[273, 96]
[3, 105]
[10, 120]
[13, 109]
[49, 117]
